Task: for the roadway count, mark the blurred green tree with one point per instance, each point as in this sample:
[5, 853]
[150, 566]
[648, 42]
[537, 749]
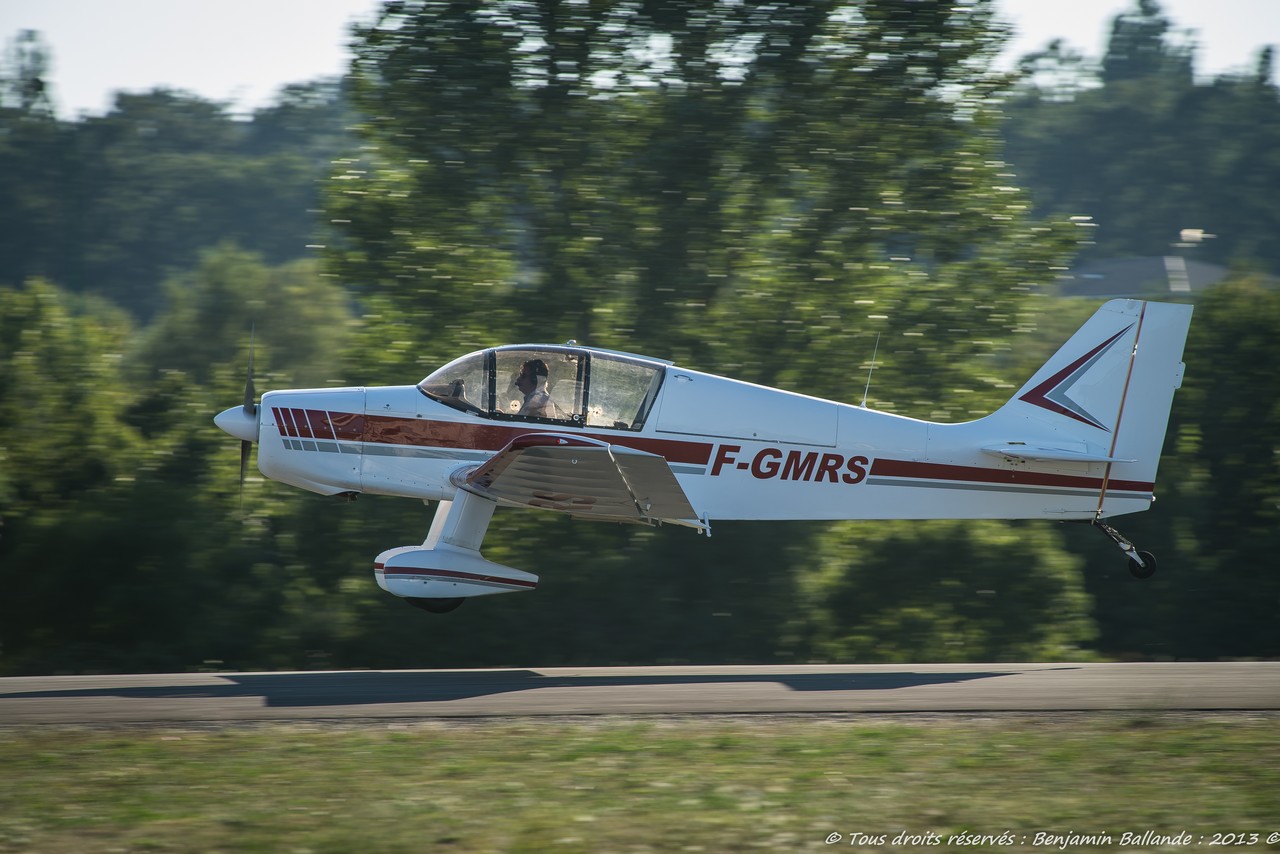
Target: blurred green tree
[302, 320]
[951, 591]
[1147, 151]
[125, 542]
[113, 204]
[61, 390]
[1140, 48]
[35, 151]
[705, 181]
[25, 65]
[1214, 526]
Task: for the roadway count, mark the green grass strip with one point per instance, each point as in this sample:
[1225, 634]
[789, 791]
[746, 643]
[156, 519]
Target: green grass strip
[659, 784]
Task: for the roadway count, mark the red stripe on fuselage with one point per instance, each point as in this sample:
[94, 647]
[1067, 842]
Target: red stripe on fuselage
[882, 467]
[422, 432]
[304, 427]
[347, 426]
[319, 424]
[284, 422]
[427, 433]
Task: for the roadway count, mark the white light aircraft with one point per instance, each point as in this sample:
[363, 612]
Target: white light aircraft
[604, 435]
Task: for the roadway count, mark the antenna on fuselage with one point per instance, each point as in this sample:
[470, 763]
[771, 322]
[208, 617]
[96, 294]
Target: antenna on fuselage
[870, 368]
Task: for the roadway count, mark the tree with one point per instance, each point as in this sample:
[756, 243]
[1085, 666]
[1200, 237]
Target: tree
[34, 155]
[953, 591]
[60, 438]
[1055, 73]
[1139, 48]
[126, 542]
[300, 319]
[113, 204]
[162, 178]
[22, 84]
[529, 170]
[1221, 498]
[1151, 152]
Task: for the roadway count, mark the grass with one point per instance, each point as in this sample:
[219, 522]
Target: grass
[626, 784]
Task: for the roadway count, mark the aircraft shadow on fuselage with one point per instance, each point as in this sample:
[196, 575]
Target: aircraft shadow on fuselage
[356, 688]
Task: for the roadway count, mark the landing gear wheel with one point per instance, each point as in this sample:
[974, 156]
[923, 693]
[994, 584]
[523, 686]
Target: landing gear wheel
[437, 606]
[1146, 569]
[1141, 564]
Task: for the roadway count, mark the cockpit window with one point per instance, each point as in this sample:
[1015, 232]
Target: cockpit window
[462, 384]
[540, 384]
[561, 385]
[622, 390]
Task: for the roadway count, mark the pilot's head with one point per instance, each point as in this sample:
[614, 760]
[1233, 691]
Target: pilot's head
[532, 374]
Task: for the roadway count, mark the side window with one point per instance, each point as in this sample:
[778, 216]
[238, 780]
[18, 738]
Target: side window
[621, 392]
[539, 385]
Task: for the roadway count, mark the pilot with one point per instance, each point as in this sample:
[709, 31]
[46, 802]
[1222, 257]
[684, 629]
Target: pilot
[532, 383]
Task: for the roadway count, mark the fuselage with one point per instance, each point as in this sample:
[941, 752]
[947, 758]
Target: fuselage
[738, 450]
[617, 437]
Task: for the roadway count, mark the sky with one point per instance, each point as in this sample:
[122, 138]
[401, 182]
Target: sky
[243, 51]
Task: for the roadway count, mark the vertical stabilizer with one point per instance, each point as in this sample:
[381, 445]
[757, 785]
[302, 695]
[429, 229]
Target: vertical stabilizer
[1106, 394]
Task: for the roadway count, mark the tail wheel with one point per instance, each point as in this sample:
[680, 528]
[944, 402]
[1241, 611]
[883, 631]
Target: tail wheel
[1146, 569]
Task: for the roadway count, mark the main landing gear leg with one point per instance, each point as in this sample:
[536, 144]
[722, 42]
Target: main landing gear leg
[1141, 564]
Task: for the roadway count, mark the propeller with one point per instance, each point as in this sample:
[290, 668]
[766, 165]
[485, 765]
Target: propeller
[251, 410]
[242, 421]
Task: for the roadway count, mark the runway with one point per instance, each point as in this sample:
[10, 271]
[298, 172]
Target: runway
[828, 689]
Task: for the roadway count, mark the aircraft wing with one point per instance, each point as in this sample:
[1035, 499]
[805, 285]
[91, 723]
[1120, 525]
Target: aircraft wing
[582, 477]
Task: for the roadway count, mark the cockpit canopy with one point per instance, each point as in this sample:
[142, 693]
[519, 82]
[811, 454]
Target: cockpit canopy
[572, 386]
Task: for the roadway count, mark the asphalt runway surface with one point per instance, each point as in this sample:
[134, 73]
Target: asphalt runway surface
[826, 689]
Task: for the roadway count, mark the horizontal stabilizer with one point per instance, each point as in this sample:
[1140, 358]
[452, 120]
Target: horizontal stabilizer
[1054, 453]
[582, 477]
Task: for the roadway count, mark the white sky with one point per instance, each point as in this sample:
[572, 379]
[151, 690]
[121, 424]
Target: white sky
[243, 51]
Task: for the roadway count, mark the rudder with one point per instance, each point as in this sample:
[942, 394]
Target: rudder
[1106, 394]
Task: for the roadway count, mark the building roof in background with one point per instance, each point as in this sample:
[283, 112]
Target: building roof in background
[1159, 275]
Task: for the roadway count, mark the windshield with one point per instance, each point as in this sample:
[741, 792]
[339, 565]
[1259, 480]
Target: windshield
[462, 384]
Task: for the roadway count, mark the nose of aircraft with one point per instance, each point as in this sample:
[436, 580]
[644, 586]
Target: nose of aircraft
[237, 422]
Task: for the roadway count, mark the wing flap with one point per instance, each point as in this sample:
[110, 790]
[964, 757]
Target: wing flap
[582, 477]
